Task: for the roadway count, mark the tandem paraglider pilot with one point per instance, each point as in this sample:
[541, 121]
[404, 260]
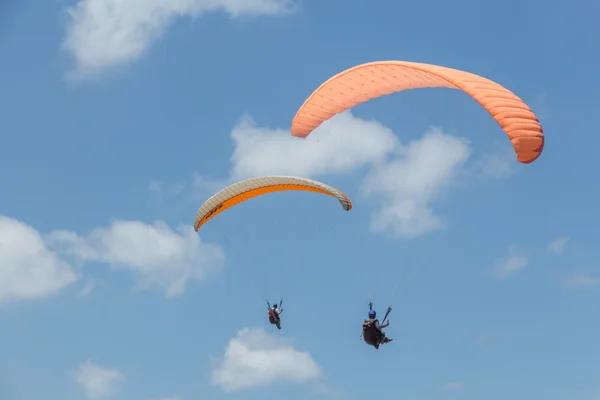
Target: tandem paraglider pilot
[373, 331]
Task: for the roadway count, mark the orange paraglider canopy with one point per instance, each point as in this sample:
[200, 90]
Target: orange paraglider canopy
[368, 81]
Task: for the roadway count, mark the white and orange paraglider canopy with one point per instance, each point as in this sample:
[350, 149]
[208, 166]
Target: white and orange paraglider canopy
[250, 188]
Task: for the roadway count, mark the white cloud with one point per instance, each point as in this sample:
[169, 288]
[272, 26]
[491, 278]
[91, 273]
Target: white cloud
[28, 269]
[455, 385]
[405, 185]
[557, 246]
[582, 281]
[106, 33]
[409, 183]
[255, 358]
[157, 256]
[512, 264]
[340, 145]
[99, 382]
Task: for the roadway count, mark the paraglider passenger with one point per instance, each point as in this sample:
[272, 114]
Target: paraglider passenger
[274, 313]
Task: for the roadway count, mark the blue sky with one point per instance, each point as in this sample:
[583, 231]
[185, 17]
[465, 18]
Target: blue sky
[121, 117]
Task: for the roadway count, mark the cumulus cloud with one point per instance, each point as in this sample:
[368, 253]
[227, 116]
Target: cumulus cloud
[512, 264]
[557, 246]
[408, 184]
[157, 256]
[340, 145]
[106, 33]
[581, 281]
[36, 266]
[29, 269]
[404, 180]
[255, 358]
[98, 382]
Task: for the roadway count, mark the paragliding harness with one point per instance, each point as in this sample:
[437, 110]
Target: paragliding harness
[370, 334]
[273, 316]
[369, 330]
